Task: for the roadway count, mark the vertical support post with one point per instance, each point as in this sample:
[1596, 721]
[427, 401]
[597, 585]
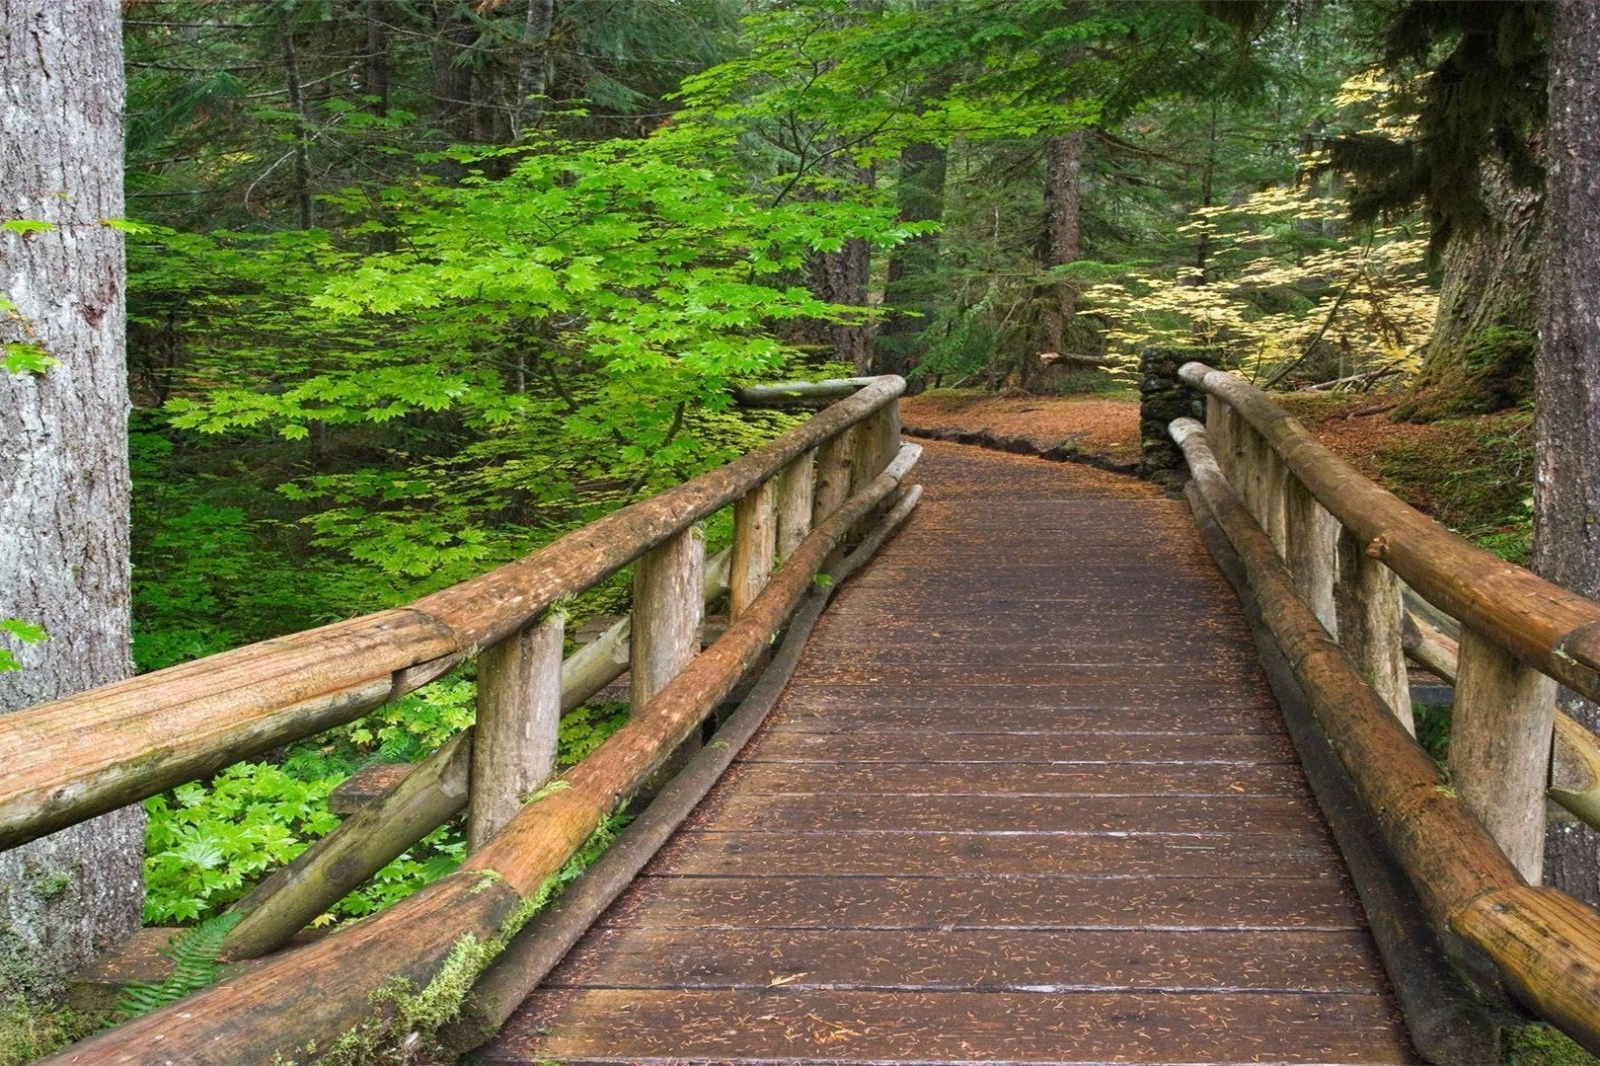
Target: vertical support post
[1252, 454]
[1500, 734]
[833, 475]
[668, 589]
[519, 717]
[1370, 617]
[1220, 423]
[1313, 538]
[755, 539]
[796, 490]
[877, 439]
[1275, 499]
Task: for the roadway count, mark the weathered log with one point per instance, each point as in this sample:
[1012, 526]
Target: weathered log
[1448, 1024]
[74, 758]
[518, 719]
[1367, 605]
[1451, 861]
[434, 792]
[1500, 730]
[425, 797]
[274, 1012]
[1555, 631]
[604, 659]
[755, 543]
[795, 392]
[797, 486]
[1313, 536]
[1275, 501]
[833, 475]
[546, 940]
[1575, 751]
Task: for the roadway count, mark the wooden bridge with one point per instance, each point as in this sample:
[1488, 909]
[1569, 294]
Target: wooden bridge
[1071, 772]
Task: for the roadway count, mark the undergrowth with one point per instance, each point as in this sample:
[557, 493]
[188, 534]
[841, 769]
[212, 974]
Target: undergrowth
[31, 1031]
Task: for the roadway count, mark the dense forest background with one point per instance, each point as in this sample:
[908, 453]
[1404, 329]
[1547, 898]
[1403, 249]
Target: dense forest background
[416, 286]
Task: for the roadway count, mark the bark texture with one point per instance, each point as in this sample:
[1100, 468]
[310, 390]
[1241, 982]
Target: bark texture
[63, 453]
[1063, 157]
[1567, 420]
[1480, 355]
[913, 267]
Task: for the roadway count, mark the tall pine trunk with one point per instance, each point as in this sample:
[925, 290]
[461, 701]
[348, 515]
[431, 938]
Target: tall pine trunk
[1063, 157]
[1566, 489]
[63, 453]
[909, 293]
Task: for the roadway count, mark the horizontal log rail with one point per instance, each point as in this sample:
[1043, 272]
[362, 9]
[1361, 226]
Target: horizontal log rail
[74, 758]
[1329, 556]
[77, 757]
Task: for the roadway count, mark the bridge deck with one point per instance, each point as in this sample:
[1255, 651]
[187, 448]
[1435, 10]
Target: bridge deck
[1027, 799]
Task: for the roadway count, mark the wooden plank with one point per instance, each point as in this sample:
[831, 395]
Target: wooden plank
[992, 901]
[1019, 854]
[827, 812]
[1182, 703]
[1106, 675]
[779, 1026]
[798, 714]
[987, 960]
[1040, 748]
[1023, 779]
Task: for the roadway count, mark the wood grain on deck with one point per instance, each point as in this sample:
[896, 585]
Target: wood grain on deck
[1026, 800]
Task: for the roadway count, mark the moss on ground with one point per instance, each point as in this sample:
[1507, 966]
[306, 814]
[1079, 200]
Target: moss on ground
[30, 1031]
[1540, 1045]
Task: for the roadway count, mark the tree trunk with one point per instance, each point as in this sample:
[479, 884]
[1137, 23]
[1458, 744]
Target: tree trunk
[913, 267]
[454, 35]
[377, 81]
[1063, 157]
[841, 278]
[302, 128]
[1566, 488]
[533, 69]
[63, 454]
[1481, 353]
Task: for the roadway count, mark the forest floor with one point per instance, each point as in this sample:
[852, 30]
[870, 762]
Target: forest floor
[1474, 475]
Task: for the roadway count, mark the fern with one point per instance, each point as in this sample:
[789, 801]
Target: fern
[194, 966]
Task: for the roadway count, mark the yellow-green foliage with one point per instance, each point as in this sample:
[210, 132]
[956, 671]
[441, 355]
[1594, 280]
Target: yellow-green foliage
[1285, 276]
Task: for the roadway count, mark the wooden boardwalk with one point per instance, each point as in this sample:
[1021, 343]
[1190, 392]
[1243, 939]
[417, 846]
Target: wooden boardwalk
[1026, 800]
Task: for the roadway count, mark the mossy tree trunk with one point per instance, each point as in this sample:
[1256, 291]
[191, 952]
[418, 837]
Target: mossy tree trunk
[64, 454]
[1480, 355]
[1566, 492]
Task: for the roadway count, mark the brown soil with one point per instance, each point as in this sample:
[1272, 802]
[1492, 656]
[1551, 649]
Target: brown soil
[1095, 424]
[1470, 474]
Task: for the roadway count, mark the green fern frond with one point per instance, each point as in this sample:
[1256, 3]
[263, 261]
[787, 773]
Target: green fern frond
[194, 966]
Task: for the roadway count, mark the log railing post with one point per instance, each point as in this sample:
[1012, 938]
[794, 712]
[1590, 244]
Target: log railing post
[833, 475]
[1312, 537]
[755, 539]
[1500, 732]
[796, 492]
[519, 716]
[1275, 500]
[1370, 616]
[877, 441]
[667, 608]
[1221, 429]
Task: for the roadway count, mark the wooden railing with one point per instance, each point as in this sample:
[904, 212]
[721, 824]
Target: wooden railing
[795, 503]
[1329, 556]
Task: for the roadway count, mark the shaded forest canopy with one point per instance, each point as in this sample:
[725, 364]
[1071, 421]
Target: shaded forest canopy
[416, 286]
